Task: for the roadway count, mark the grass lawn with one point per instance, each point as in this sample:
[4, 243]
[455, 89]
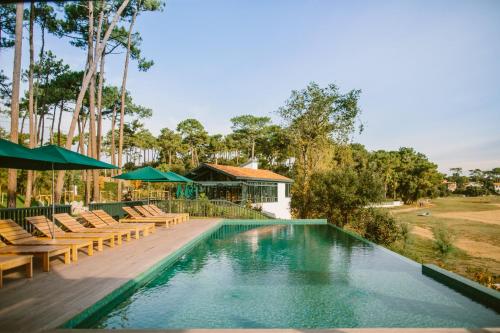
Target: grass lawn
[475, 222]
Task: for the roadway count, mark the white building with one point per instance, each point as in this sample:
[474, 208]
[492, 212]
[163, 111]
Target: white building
[261, 188]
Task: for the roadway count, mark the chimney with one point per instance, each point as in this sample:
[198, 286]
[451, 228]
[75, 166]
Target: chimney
[252, 163]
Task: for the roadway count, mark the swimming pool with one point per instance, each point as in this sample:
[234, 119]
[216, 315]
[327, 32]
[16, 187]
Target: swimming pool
[299, 276]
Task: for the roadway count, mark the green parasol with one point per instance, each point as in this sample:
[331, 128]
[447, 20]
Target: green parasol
[151, 175]
[53, 157]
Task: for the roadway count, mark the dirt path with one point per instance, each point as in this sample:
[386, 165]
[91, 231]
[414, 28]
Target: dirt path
[479, 249]
[404, 210]
[422, 232]
[473, 248]
[487, 216]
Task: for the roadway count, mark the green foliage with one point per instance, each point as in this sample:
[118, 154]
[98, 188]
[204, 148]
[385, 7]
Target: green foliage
[443, 239]
[7, 25]
[170, 144]
[5, 93]
[407, 174]
[406, 233]
[110, 187]
[194, 136]
[377, 226]
[316, 118]
[248, 129]
[474, 191]
[478, 182]
[340, 192]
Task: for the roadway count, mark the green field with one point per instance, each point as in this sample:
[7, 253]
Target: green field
[475, 223]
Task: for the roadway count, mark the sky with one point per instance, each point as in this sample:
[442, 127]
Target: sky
[429, 71]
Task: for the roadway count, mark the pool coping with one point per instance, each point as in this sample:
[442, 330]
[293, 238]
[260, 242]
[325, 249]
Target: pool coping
[471, 289]
[130, 286]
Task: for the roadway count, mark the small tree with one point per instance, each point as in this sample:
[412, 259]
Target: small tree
[340, 192]
[443, 239]
[316, 118]
[378, 226]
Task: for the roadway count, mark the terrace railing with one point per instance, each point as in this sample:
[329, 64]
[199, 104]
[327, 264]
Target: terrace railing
[199, 208]
[19, 215]
[115, 208]
[210, 208]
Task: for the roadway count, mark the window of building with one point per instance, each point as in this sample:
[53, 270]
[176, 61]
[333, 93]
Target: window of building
[288, 190]
[262, 192]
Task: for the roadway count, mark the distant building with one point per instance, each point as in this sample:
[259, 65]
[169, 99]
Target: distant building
[262, 188]
[497, 187]
[452, 186]
[473, 184]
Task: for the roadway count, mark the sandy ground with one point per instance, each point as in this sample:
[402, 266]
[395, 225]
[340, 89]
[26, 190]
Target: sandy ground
[488, 216]
[479, 249]
[473, 248]
[422, 232]
[404, 210]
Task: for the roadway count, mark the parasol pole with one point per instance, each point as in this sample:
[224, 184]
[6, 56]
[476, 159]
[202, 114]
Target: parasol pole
[53, 206]
[149, 191]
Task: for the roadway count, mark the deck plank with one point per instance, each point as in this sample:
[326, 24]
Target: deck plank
[50, 299]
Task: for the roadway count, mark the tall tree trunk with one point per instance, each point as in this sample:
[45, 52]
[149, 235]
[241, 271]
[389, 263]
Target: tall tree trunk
[14, 114]
[22, 123]
[99, 107]
[32, 127]
[122, 106]
[86, 81]
[253, 148]
[80, 149]
[92, 147]
[39, 130]
[113, 143]
[43, 129]
[93, 132]
[52, 125]
[103, 19]
[59, 123]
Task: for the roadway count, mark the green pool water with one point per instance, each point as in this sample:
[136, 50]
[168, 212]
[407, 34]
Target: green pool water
[299, 276]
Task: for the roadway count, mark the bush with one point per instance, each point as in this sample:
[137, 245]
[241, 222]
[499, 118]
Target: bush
[405, 233]
[443, 239]
[483, 276]
[475, 191]
[377, 226]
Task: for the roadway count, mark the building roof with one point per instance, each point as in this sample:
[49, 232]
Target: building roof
[249, 174]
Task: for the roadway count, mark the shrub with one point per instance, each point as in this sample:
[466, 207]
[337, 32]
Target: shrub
[443, 239]
[405, 233]
[377, 226]
[474, 191]
[483, 276]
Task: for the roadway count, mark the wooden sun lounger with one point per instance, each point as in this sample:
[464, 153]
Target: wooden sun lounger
[97, 223]
[135, 217]
[14, 234]
[154, 209]
[44, 251]
[44, 225]
[12, 261]
[152, 213]
[146, 213]
[145, 228]
[71, 223]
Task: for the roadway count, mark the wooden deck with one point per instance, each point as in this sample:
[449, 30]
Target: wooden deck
[50, 299]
